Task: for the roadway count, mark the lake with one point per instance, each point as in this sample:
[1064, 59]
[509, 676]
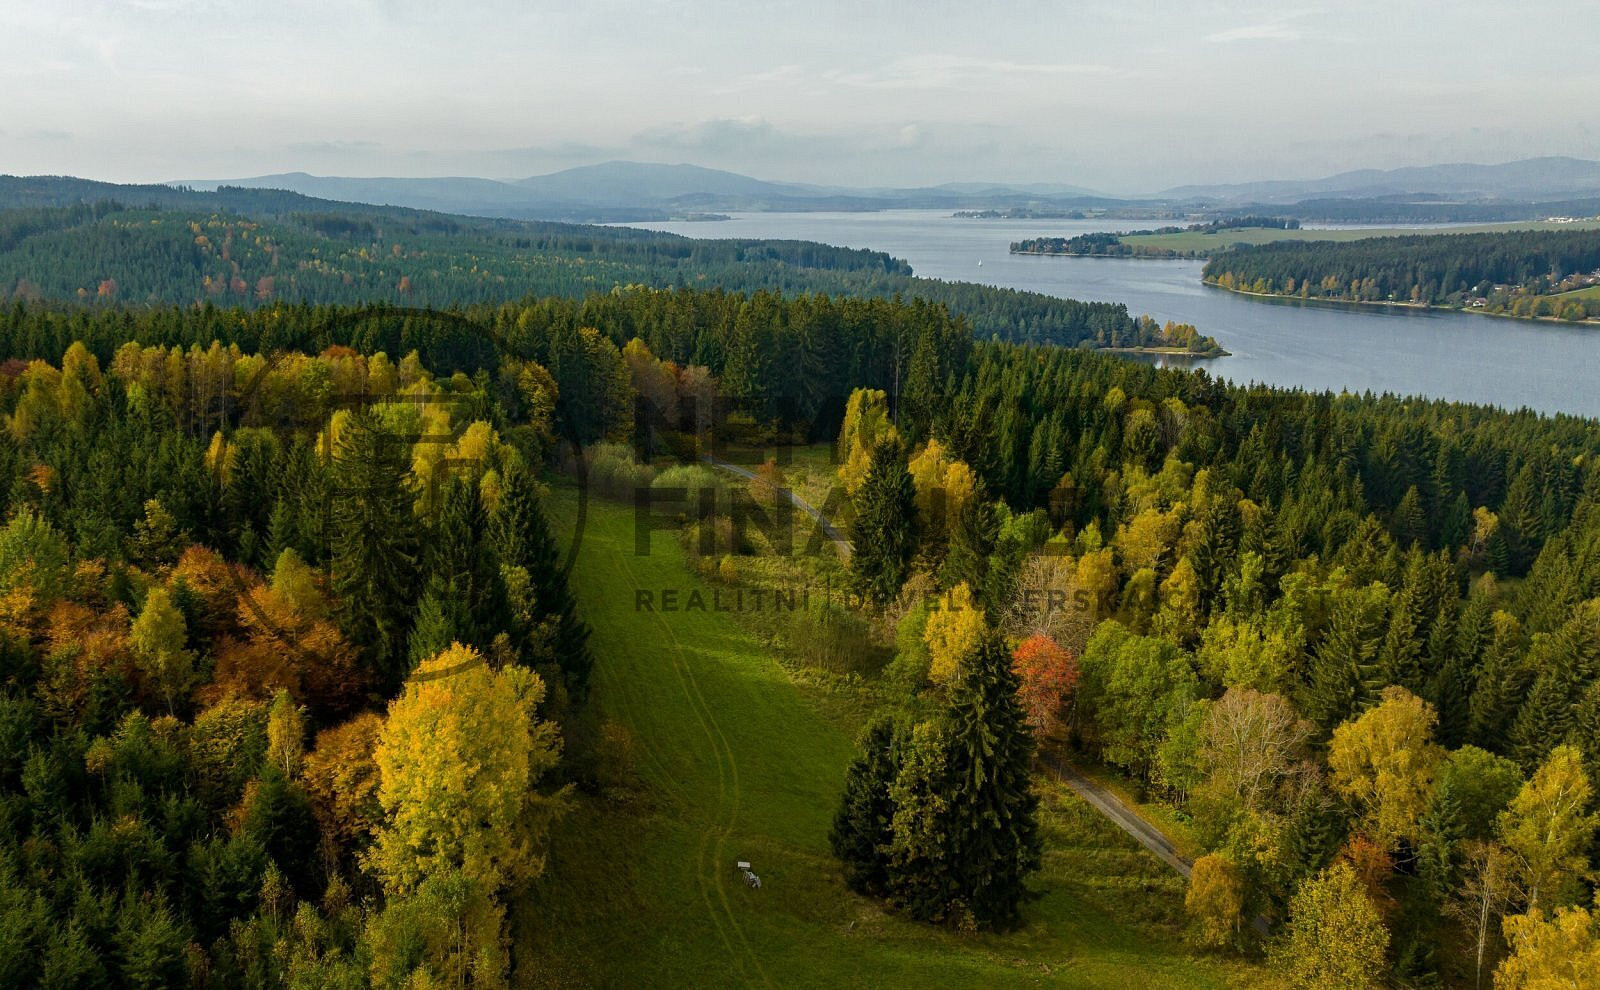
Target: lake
[1510, 363]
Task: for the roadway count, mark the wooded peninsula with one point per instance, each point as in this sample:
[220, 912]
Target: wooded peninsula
[1550, 274]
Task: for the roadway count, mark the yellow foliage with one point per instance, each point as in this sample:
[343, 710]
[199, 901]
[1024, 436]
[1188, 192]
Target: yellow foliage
[944, 485]
[1215, 900]
[1097, 578]
[458, 759]
[1385, 760]
[866, 424]
[1147, 539]
[221, 457]
[1547, 827]
[1556, 954]
[953, 633]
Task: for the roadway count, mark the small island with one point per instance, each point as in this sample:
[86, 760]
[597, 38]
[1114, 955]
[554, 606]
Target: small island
[1020, 213]
[1172, 339]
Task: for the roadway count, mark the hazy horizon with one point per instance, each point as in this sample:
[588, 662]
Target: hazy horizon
[1122, 98]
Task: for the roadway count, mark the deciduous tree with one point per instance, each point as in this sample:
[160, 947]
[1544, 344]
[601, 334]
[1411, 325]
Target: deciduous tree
[1548, 828]
[1335, 938]
[1385, 761]
[460, 754]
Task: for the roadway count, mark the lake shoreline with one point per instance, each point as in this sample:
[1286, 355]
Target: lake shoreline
[1403, 351]
[1167, 352]
[1120, 257]
[1398, 304]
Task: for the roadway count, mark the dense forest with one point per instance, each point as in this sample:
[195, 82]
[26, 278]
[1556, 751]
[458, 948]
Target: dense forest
[1522, 273]
[1354, 639]
[62, 240]
[234, 588]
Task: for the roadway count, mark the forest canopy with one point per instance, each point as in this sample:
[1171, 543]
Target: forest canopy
[67, 240]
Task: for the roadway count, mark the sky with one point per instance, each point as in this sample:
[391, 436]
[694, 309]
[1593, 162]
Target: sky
[1126, 96]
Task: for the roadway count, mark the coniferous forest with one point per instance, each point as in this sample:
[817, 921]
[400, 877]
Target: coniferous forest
[102, 244]
[1520, 273]
[294, 690]
[1353, 638]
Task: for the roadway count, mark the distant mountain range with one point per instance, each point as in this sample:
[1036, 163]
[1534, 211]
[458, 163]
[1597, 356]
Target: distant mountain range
[646, 191]
[1532, 180]
[640, 190]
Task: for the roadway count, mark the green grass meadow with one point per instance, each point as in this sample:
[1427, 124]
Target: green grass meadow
[737, 760]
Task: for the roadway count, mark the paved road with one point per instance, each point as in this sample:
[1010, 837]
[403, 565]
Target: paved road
[1122, 816]
[829, 530]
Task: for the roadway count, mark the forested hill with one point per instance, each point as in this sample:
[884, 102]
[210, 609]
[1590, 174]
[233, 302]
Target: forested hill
[64, 239]
[1522, 272]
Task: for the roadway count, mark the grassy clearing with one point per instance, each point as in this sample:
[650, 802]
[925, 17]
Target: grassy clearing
[1587, 292]
[737, 760]
[1195, 241]
[812, 472]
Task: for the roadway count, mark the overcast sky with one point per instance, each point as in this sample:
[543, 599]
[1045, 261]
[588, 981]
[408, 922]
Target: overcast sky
[1123, 96]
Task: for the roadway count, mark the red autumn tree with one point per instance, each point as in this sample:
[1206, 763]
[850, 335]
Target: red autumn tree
[1046, 676]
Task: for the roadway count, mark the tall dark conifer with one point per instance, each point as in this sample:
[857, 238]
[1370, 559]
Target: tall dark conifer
[374, 543]
[862, 827]
[462, 569]
[521, 537]
[994, 833]
[884, 535]
[972, 545]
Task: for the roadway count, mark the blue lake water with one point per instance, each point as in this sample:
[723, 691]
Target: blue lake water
[1509, 363]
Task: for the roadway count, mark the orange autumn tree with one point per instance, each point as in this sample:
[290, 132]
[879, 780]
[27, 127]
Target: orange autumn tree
[289, 644]
[1047, 673]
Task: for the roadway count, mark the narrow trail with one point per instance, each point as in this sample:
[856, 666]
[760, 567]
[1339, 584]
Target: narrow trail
[829, 530]
[1101, 799]
[1124, 817]
[713, 868]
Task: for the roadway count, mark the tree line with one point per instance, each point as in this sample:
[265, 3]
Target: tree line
[1512, 271]
[1353, 638]
[110, 246]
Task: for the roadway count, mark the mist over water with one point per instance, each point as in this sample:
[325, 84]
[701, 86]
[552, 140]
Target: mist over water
[1510, 363]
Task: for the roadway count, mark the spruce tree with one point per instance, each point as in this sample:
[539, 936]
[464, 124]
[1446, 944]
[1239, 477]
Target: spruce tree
[1450, 679]
[1521, 524]
[282, 533]
[1456, 524]
[884, 534]
[1343, 672]
[994, 834]
[972, 546]
[1400, 655]
[433, 632]
[862, 828]
[1408, 524]
[1502, 679]
[521, 538]
[463, 571]
[374, 543]
[1567, 662]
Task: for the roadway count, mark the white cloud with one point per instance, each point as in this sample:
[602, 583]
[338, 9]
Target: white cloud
[943, 71]
[1117, 94]
[1256, 32]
